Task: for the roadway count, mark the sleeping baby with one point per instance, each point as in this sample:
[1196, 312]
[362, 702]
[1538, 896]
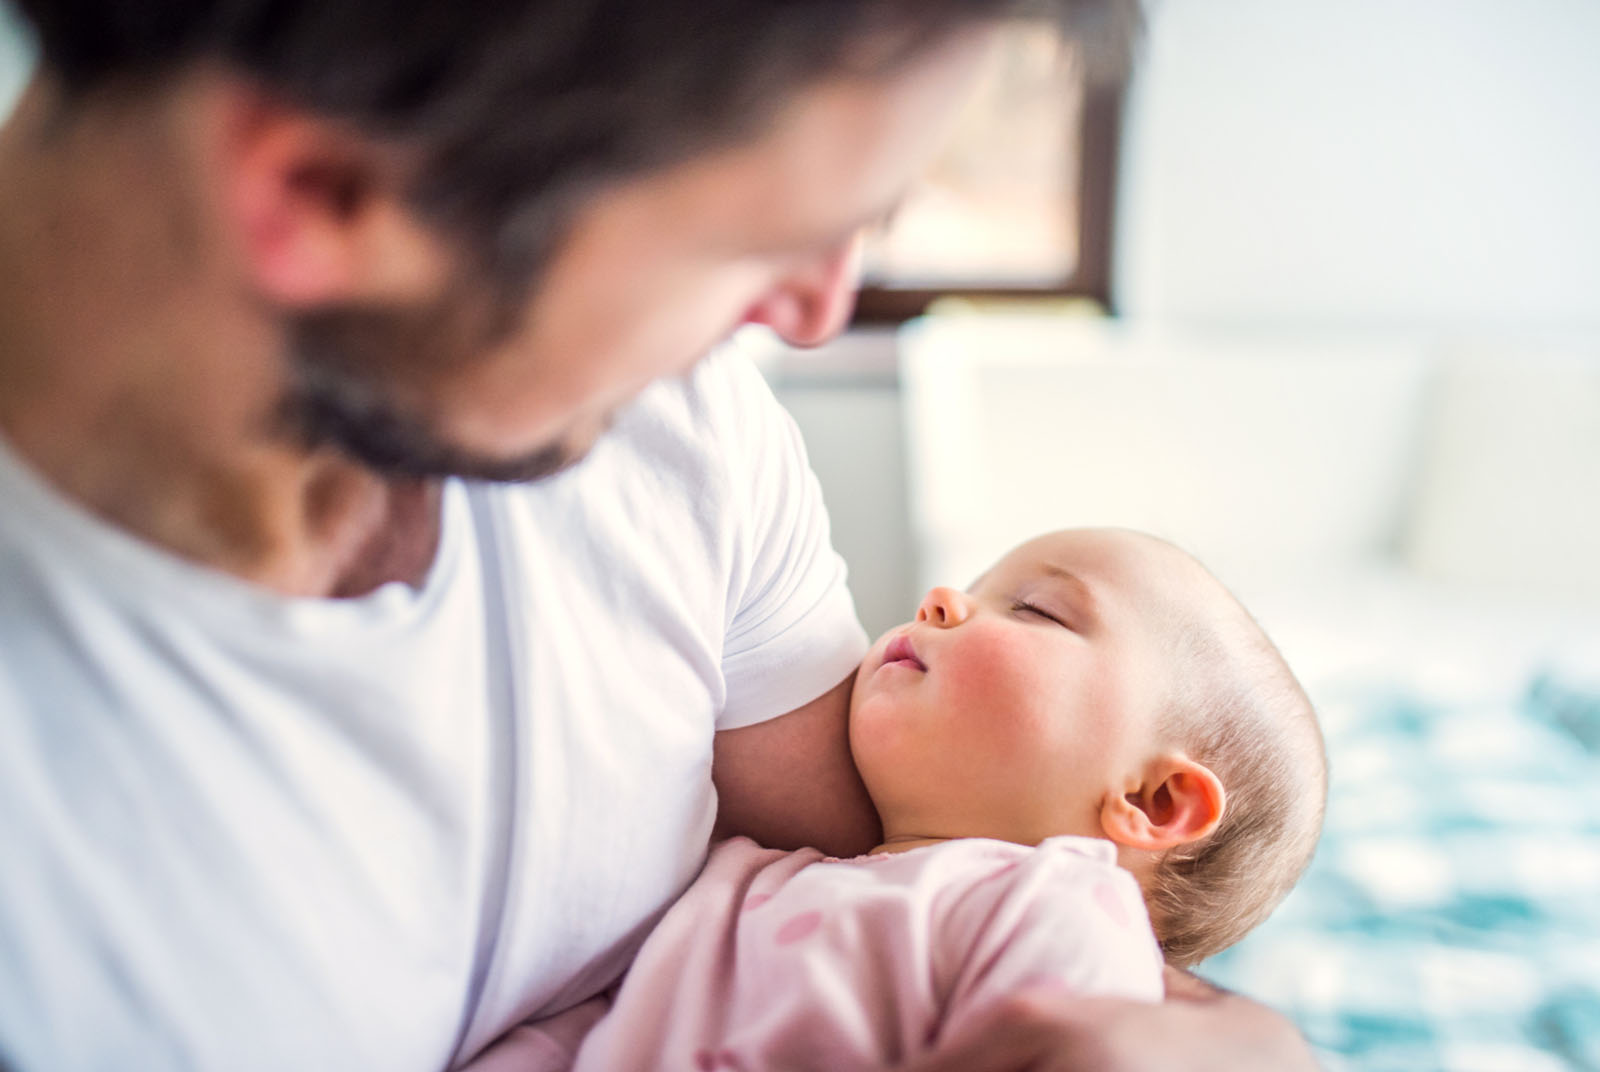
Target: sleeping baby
[1090, 762]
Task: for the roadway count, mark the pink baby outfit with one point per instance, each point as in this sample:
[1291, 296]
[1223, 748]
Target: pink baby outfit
[780, 960]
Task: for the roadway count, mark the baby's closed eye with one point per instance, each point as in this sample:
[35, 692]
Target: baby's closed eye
[1022, 606]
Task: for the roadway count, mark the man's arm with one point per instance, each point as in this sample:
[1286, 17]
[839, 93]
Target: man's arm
[790, 781]
[1199, 1028]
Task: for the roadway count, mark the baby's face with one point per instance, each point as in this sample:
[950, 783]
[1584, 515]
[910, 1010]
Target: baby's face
[1012, 709]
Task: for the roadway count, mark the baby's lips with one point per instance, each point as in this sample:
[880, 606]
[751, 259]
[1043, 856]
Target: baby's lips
[900, 650]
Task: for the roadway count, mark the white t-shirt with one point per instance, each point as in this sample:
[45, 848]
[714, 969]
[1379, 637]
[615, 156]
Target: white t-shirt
[244, 831]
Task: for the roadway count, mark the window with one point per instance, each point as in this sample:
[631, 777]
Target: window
[1020, 203]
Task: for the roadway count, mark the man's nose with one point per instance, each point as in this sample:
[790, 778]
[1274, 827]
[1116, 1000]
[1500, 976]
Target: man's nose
[812, 304]
[944, 607]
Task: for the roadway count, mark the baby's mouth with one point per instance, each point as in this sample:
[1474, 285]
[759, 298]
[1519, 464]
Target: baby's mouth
[901, 653]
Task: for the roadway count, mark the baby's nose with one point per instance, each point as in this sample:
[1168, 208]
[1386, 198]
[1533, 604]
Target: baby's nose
[944, 607]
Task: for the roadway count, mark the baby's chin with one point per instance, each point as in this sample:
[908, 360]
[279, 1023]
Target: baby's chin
[868, 714]
[883, 739]
[859, 688]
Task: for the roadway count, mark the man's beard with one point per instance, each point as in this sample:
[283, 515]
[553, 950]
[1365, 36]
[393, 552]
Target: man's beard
[337, 399]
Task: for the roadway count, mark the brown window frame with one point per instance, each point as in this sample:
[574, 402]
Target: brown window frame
[1099, 139]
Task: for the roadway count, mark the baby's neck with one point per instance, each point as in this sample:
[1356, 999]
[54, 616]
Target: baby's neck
[906, 842]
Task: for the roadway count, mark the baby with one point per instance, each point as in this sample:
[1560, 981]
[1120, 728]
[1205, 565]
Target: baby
[1090, 762]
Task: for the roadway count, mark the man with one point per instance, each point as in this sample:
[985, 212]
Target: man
[317, 755]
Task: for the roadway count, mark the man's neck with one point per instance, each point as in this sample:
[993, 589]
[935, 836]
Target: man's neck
[140, 385]
[298, 524]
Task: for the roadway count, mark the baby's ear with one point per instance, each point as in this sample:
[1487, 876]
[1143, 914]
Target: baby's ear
[1176, 801]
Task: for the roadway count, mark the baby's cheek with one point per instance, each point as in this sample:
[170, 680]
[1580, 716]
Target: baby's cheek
[995, 673]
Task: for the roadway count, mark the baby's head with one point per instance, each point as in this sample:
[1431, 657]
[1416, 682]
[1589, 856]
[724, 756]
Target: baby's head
[1100, 682]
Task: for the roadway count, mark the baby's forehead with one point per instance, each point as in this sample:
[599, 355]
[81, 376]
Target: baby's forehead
[1105, 557]
[1142, 573]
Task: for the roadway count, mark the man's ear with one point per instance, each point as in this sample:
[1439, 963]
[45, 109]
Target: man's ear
[317, 210]
[1174, 801]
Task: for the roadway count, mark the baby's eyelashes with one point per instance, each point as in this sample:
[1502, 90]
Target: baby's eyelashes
[1022, 606]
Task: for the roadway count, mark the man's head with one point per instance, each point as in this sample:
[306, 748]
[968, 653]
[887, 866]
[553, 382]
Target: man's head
[482, 227]
[1101, 683]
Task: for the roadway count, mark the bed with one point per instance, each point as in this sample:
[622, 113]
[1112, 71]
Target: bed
[1417, 523]
[1449, 919]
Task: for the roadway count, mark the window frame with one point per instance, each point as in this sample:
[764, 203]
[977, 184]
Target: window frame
[1099, 141]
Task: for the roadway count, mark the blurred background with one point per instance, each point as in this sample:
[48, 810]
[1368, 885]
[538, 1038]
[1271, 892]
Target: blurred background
[1313, 291]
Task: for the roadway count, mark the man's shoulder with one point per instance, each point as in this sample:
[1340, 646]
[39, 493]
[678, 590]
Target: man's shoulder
[723, 398]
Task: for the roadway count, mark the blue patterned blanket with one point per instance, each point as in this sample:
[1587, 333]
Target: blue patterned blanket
[1451, 918]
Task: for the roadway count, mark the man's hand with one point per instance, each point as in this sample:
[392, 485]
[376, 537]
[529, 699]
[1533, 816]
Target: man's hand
[1197, 1029]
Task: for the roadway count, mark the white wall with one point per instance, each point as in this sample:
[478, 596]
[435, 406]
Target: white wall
[1364, 165]
[855, 439]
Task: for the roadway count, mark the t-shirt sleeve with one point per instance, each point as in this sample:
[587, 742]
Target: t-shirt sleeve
[792, 629]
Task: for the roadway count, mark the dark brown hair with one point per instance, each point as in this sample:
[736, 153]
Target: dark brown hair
[515, 110]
